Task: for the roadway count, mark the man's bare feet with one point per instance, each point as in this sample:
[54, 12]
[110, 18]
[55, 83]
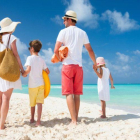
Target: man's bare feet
[103, 116]
[72, 124]
[38, 123]
[1, 128]
[32, 120]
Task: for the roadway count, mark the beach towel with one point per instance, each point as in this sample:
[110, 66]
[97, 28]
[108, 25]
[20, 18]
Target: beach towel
[63, 53]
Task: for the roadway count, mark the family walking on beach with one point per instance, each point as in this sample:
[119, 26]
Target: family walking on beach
[72, 72]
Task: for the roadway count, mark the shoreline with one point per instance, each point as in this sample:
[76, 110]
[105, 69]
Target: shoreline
[56, 118]
[116, 107]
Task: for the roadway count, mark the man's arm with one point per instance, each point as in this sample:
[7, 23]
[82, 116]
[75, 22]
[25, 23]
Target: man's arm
[90, 52]
[100, 73]
[56, 49]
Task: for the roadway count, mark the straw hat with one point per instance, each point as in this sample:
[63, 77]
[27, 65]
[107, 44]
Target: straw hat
[7, 25]
[70, 14]
[100, 61]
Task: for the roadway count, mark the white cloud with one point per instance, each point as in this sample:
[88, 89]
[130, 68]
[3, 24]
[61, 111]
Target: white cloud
[123, 57]
[126, 68]
[120, 23]
[136, 52]
[85, 12]
[49, 44]
[25, 57]
[47, 55]
[57, 19]
[84, 50]
[21, 47]
[65, 2]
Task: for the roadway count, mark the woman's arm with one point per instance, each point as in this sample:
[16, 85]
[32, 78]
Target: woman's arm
[15, 52]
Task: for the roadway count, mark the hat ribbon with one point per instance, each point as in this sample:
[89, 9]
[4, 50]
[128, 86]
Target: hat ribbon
[69, 16]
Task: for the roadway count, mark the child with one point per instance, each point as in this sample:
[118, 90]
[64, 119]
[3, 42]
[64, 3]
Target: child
[103, 83]
[35, 65]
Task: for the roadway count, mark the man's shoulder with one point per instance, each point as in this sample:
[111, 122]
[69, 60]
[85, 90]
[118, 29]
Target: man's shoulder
[81, 30]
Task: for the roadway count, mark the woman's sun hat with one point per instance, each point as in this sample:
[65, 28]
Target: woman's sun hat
[70, 14]
[100, 61]
[7, 25]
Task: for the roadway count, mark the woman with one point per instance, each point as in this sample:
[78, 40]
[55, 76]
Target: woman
[6, 87]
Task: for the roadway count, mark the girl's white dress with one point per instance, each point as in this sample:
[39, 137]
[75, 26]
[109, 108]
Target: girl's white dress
[4, 84]
[103, 85]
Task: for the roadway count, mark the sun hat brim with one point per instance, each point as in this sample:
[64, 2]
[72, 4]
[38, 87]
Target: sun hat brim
[99, 64]
[10, 28]
[70, 17]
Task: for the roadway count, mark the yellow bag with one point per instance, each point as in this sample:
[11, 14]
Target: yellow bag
[9, 67]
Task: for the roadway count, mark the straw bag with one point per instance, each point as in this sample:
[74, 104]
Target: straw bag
[9, 67]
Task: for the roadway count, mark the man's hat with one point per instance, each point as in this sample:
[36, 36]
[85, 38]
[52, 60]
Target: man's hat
[70, 14]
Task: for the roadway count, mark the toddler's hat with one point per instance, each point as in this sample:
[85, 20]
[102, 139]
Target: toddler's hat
[100, 61]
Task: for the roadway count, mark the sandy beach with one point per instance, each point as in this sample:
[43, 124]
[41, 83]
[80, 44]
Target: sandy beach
[118, 125]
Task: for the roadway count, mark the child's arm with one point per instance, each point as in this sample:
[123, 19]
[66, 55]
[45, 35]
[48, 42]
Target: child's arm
[47, 70]
[111, 79]
[100, 73]
[26, 72]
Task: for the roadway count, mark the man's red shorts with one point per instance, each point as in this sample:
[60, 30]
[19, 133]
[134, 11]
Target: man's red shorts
[72, 79]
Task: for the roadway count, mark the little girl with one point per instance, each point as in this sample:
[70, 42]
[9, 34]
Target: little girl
[103, 83]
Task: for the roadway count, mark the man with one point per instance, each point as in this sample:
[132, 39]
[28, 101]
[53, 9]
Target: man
[72, 73]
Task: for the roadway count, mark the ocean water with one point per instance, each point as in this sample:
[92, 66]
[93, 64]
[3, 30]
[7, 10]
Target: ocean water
[124, 96]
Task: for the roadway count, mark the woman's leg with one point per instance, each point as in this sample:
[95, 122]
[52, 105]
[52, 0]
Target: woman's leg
[0, 102]
[5, 106]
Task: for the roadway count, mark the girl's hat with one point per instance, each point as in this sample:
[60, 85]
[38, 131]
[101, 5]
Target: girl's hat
[100, 61]
[7, 25]
[70, 14]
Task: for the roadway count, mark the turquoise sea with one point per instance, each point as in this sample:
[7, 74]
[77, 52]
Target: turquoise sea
[124, 96]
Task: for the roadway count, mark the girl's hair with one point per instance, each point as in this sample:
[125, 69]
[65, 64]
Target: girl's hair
[1, 38]
[102, 65]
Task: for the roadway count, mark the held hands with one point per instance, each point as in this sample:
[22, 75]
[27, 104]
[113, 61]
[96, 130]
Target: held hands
[22, 72]
[95, 67]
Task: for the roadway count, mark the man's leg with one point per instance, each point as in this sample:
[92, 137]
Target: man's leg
[71, 106]
[78, 88]
[77, 104]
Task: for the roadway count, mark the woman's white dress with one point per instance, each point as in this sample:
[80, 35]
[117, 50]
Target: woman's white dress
[103, 85]
[4, 84]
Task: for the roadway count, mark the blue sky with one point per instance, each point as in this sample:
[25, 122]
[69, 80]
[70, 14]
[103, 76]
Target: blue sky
[113, 29]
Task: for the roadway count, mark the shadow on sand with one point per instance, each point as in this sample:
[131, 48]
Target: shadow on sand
[86, 120]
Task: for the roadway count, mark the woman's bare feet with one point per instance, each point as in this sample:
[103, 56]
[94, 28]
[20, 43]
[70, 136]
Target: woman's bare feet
[101, 112]
[38, 123]
[32, 120]
[103, 116]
